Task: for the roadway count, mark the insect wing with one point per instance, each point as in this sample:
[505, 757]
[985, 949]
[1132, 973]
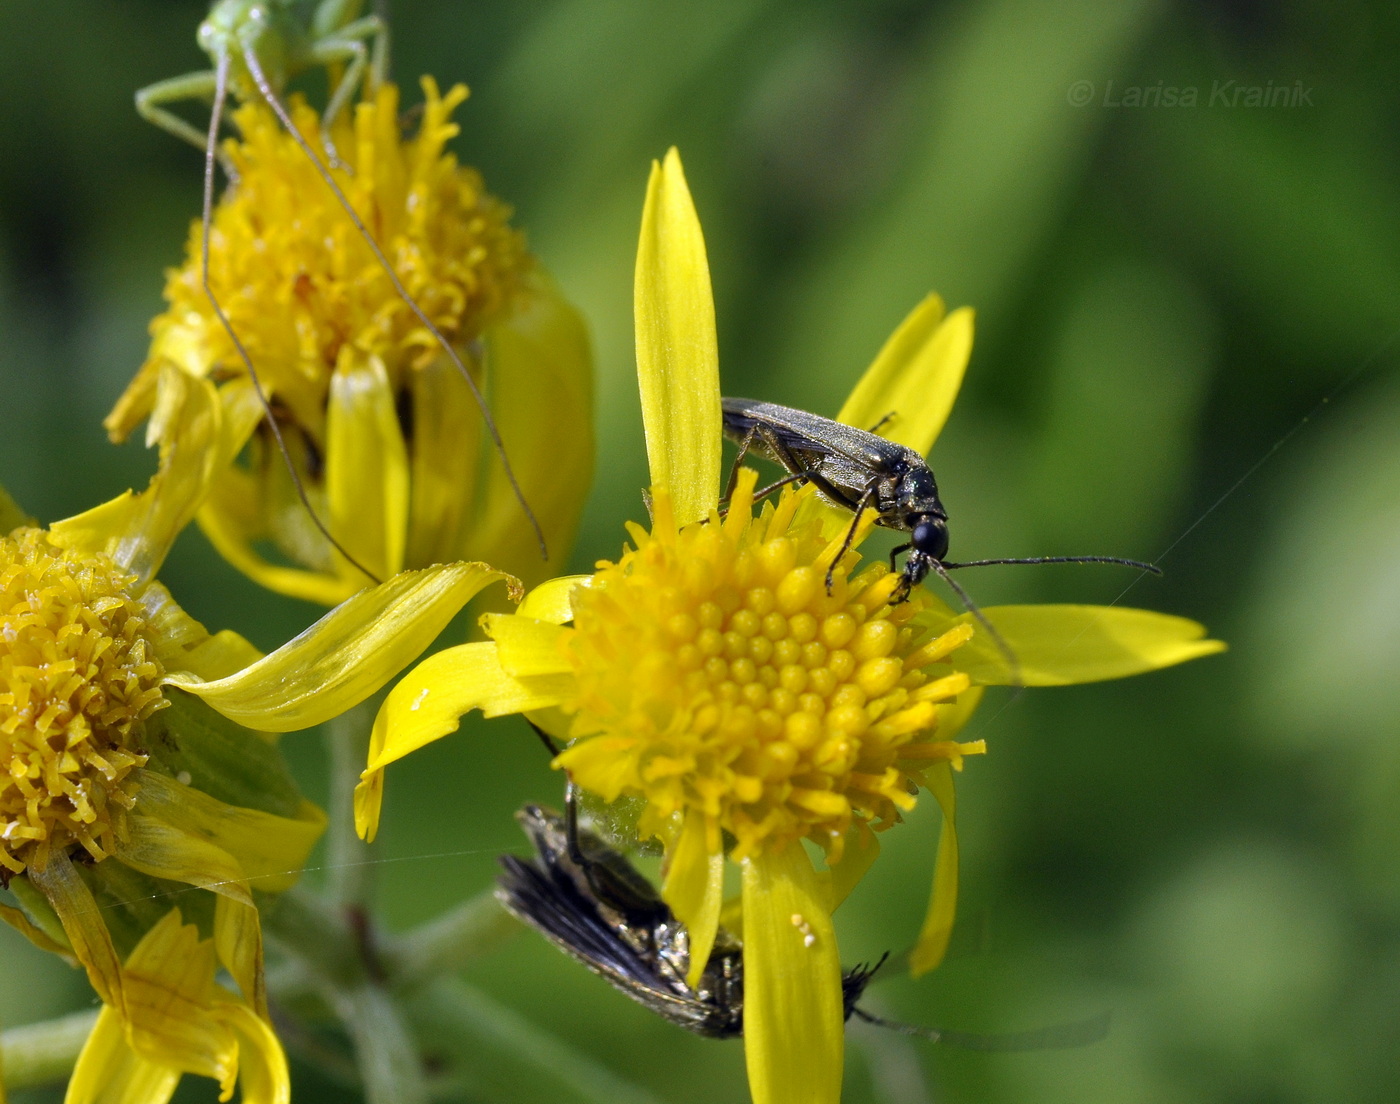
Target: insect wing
[809, 435]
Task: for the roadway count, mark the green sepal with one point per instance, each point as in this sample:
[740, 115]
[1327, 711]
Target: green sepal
[225, 760]
[36, 906]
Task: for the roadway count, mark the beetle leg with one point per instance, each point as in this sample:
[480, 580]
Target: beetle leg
[860, 506]
[738, 462]
[896, 551]
[891, 416]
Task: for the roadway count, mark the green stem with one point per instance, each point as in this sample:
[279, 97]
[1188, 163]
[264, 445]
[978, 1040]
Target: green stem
[349, 859]
[342, 966]
[444, 945]
[511, 1058]
[44, 1053]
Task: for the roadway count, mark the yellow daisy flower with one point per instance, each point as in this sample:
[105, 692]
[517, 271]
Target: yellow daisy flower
[386, 437]
[709, 674]
[135, 745]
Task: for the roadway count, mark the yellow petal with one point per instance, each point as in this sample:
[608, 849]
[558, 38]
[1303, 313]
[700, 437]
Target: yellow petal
[553, 600]
[540, 372]
[937, 929]
[861, 850]
[677, 350]
[262, 1066]
[794, 1015]
[366, 465]
[235, 544]
[347, 655]
[429, 702]
[11, 516]
[72, 901]
[270, 851]
[915, 378]
[173, 850]
[137, 530]
[446, 452]
[694, 888]
[952, 716]
[170, 984]
[110, 1072]
[1065, 645]
[525, 646]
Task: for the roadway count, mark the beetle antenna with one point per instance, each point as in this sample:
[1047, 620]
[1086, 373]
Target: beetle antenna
[1061, 1037]
[265, 88]
[982, 620]
[210, 150]
[1139, 564]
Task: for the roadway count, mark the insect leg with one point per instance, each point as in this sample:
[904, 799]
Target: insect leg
[346, 46]
[264, 87]
[220, 92]
[192, 86]
[863, 502]
[895, 551]
[891, 416]
[738, 463]
[972, 608]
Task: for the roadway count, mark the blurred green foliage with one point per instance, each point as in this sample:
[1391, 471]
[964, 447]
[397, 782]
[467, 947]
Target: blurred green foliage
[1211, 853]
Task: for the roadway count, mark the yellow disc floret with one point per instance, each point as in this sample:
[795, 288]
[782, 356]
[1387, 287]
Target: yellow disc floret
[298, 281]
[78, 675]
[717, 675]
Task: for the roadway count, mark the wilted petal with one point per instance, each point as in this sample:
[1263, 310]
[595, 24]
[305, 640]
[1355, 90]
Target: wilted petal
[76, 909]
[347, 655]
[540, 373]
[677, 350]
[366, 465]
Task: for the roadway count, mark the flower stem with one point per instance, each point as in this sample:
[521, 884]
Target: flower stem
[44, 1053]
[349, 859]
[510, 1057]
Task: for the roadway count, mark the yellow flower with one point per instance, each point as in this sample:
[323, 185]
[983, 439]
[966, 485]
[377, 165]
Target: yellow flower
[385, 434]
[188, 1024]
[135, 746]
[708, 673]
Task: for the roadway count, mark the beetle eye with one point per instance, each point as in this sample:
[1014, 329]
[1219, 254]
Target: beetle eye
[931, 538]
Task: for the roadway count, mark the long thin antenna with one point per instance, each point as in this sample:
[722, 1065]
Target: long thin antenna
[1139, 564]
[972, 608]
[265, 88]
[215, 118]
[1061, 1037]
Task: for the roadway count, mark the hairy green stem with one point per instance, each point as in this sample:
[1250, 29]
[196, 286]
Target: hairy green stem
[511, 1058]
[472, 929]
[44, 1053]
[349, 859]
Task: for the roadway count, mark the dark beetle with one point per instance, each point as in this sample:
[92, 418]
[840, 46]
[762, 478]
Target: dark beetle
[858, 470]
[592, 904]
[851, 467]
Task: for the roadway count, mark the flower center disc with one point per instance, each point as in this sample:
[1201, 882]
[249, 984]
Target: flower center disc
[78, 675]
[717, 674]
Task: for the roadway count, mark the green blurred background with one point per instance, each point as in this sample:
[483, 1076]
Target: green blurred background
[1164, 295]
